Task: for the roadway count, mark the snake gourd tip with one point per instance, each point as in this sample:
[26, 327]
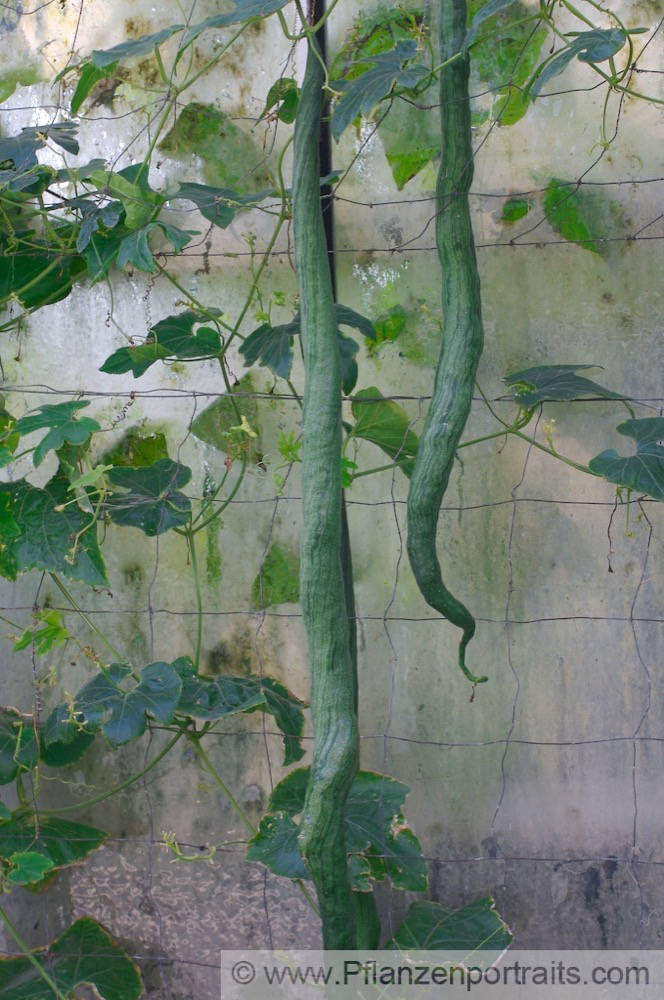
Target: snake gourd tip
[463, 335]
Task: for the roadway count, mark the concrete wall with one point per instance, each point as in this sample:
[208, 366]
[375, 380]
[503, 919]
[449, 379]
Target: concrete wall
[545, 789]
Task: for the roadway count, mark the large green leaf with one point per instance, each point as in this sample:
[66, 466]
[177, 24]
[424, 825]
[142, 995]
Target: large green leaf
[36, 277]
[19, 750]
[642, 472]
[84, 955]
[62, 841]
[152, 501]
[61, 753]
[486, 10]
[218, 205]
[27, 867]
[361, 94]
[133, 47]
[45, 539]
[376, 832]
[430, 927]
[272, 346]
[244, 10]
[218, 697]
[386, 424]
[90, 76]
[120, 711]
[172, 337]
[21, 149]
[555, 382]
[593, 46]
[63, 426]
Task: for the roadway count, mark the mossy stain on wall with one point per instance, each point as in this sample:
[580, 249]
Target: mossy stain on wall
[230, 156]
[278, 581]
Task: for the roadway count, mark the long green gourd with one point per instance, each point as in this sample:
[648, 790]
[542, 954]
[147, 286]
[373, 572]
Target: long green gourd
[463, 336]
[324, 608]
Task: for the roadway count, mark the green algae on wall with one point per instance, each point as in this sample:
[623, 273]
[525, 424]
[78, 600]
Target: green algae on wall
[228, 153]
[278, 581]
[219, 426]
[137, 448]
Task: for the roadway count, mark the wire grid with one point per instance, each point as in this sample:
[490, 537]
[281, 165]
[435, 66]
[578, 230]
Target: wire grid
[604, 887]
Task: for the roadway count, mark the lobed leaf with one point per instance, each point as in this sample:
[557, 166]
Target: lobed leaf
[429, 926]
[642, 472]
[63, 426]
[386, 424]
[152, 501]
[593, 46]
[85, 955]
[45, 536]
[63, 842]
[172, 337]
[554, 382]
[376, 832]
[361, 94]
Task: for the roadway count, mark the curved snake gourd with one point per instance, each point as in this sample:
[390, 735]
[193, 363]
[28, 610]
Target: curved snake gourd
[463, 335]
[336, 743]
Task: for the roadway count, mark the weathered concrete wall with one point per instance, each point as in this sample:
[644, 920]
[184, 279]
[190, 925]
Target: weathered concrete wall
[545, 789]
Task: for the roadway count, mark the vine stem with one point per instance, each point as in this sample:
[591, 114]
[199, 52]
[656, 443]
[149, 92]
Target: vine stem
[27, 953]
[219, 781]
[190, 536]
[79, 611]
[116, 788]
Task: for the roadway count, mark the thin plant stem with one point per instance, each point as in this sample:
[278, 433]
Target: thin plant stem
[219, 781]
[116, 788]
[27, 953]
[100, 635]
[190, 535]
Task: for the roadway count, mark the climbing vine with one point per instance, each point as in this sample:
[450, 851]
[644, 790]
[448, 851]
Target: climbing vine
[332, 824]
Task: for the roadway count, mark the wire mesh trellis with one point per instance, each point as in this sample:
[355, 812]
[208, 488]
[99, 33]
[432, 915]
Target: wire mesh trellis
[543, 791]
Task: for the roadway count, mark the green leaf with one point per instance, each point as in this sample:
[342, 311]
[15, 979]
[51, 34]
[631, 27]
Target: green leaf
[53, 633]
[36, 277]
[272, 346]
[218, 697]
[61, 841]
[109, 215]
[642, 472]
[361, 94]
[89, 78]
[286, 94]
[244, 10]
[84, 955]
[486, 11]
[218, 205]
[19, 750]
[430, 927]
[275, 845]
[132, 188]
[27, 867]
[134, 47]
[375, 830]
[5, 813]
[152, 501]
[102, 250]
[135, 249]
[120, 712]
[286, 709]
[554, 382]
[178, 238]
[61, 753]
[64, 427]
[588, 46]
[387, 425]
[172, 337]
[46, 535]
[21, 149]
